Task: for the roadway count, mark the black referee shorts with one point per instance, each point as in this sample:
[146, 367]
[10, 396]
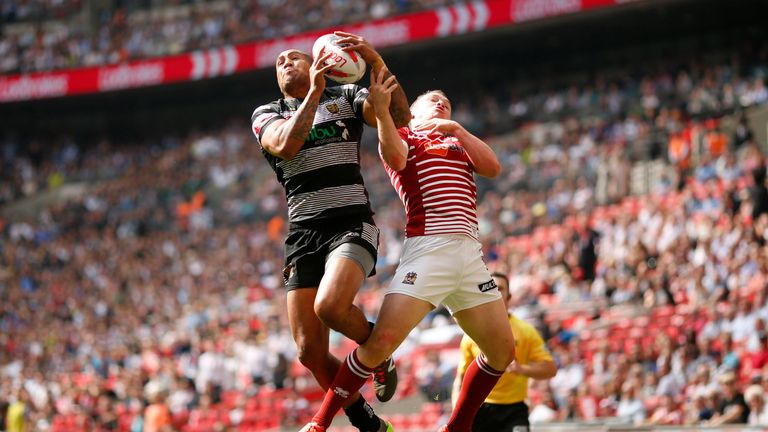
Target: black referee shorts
[502, 418]
[307, 246]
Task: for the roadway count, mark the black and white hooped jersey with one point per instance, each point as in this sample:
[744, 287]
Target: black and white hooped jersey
[323, 180]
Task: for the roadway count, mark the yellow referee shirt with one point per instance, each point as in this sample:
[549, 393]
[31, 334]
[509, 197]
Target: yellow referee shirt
[14, 420]
[529, 347]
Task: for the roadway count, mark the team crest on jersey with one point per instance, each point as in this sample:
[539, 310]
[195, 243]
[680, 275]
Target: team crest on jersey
[332, 108]
[410, 278]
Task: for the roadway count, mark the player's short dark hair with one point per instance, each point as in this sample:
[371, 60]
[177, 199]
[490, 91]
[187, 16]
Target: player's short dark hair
[306, 56]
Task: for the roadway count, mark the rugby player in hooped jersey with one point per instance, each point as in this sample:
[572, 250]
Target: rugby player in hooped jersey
[432, 167]
[311, 139]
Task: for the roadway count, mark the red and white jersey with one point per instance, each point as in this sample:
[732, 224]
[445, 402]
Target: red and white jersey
[437, 186]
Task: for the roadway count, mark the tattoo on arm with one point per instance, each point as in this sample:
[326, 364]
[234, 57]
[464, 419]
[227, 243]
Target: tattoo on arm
[398, 106]
[301, 123]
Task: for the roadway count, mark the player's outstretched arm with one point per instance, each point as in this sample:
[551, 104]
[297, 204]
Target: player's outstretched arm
[398, 105]
[284, 139]
[483, 158]
[393, 150]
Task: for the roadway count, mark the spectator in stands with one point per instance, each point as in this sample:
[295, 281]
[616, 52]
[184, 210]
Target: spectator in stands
[3, 412]
[672, 381]
[545, 411]
[667, 413]
[759, 193]
[105, 412]
[742, 134]
[238, 411]
[157, 417]
[631, 408]
[182, 396]
[587, 239]
[568, 411]
[729, 357]
[732, 408]
[435, 377]
[759, 358]
[570, 374]
[18, 413]
[586, 402]
[758, 409]
[700, 408]
[505, 408]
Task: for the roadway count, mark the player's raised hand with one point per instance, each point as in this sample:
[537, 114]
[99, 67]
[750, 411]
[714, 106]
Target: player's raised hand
[320, 65]
[438, 125]
[381, 89]
[353, 42]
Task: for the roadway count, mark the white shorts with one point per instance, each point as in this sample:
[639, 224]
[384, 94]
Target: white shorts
[446, 269]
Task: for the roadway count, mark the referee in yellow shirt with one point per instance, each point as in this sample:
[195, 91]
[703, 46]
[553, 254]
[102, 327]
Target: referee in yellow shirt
[505, 409]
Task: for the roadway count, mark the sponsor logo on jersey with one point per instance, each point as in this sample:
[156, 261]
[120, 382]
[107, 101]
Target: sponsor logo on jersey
[487, 286]
[320, 133]
[442, 148]
[410, 278]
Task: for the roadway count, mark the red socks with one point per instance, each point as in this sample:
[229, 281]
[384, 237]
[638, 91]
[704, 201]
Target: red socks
[351, 376]
[478, 382]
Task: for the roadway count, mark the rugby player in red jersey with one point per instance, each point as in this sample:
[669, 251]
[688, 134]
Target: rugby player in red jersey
[432, 166]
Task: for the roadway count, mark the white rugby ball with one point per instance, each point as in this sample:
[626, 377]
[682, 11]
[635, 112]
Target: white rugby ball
[348, 67]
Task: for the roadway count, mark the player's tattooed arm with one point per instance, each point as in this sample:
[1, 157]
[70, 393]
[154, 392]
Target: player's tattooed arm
[298, 127]
[285, 138]
[393, 150]
[398, 106]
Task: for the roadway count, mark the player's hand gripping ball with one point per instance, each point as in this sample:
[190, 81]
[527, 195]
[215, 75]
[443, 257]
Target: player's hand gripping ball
[349, 66]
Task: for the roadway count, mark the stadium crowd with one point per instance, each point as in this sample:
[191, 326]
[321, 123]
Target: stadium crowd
[133, 31]
[156, 299]
[30, 10]
[698, 254]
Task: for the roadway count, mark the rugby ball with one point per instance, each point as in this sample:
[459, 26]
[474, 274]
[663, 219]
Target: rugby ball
[348, 67]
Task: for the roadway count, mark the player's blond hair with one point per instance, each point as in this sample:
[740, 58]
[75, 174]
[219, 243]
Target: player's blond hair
[440, 92]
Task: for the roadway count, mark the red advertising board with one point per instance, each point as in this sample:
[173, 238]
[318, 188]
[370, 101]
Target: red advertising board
[454, 20]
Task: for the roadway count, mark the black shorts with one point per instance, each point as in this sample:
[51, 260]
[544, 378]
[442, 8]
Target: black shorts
[502, 418]
[307, 247]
